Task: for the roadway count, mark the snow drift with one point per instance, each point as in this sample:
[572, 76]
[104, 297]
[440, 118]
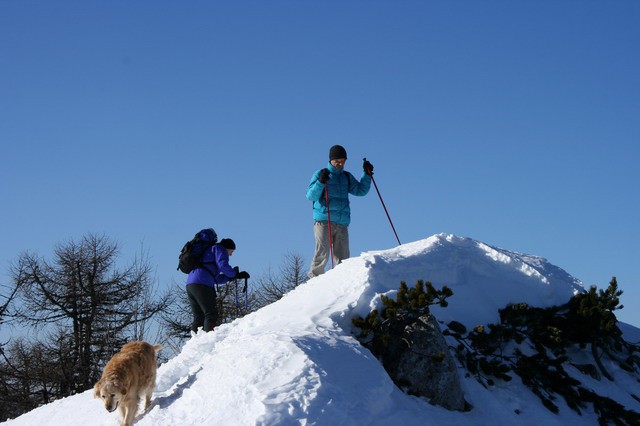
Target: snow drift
[296, 362]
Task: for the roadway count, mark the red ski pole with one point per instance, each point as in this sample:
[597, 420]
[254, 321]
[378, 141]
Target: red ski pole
[326, 193]
[383, 205]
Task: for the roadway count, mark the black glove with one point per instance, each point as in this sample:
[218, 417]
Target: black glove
[235, 268]
[368, 167]
[324, 176]
[242, 275]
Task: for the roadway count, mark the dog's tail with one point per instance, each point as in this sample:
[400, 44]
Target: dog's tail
[157, 348]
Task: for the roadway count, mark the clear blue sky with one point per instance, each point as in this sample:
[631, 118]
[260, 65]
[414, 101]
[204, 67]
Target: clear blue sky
[513, 123]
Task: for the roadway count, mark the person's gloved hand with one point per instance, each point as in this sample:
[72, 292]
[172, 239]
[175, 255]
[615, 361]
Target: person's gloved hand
[235, 268]
[242, 275]
[368, 167]
[324, 176]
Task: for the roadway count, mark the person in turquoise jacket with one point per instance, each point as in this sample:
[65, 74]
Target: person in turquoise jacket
[339, 183]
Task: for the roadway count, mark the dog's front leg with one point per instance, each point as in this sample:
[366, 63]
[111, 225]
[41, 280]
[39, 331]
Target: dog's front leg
[123, 413]
[128, 412]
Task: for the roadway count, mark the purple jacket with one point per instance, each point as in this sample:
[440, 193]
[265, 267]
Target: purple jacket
[218, 268]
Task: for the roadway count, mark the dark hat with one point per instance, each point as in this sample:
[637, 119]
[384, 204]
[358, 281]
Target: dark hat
[336, 152]
[228, 243]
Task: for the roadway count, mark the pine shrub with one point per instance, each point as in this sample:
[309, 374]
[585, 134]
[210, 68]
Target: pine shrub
[588, 319]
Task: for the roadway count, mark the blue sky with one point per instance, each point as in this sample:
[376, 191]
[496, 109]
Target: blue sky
[512, 123]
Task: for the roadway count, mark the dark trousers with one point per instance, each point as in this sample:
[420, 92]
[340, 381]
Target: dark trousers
[202, 300]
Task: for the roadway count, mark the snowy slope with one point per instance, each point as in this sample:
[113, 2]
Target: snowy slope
[296, 362]
[483, 278]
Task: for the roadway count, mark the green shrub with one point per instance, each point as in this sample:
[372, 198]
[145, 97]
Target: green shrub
[587, 319]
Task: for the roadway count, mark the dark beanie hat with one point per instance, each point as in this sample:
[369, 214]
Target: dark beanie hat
[228, 243]
[336, 152]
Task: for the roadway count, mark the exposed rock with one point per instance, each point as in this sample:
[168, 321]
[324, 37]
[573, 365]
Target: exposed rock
[417, 358]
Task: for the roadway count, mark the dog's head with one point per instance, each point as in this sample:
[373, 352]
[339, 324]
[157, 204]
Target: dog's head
[111, 392]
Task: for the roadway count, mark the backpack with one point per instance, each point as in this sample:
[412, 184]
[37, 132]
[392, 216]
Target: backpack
[190, 256]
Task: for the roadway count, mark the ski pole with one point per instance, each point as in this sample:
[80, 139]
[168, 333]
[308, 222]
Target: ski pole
[326, 192]
[246, 295]
[236, 282]
[383, 205]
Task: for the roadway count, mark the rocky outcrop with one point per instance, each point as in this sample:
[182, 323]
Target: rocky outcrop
[406, 337]
[418, 360]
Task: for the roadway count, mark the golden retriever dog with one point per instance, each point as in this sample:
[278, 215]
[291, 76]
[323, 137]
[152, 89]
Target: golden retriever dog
[128, 376]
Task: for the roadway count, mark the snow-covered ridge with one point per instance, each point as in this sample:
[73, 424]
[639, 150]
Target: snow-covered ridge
[296, 361]
[483, 278]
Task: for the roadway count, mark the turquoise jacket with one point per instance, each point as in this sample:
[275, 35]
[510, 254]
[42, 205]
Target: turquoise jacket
[341, 183]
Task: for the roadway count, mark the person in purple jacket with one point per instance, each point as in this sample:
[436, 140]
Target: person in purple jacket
[201, 283]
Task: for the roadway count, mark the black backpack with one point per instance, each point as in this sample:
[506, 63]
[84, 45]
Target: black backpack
[191, 254]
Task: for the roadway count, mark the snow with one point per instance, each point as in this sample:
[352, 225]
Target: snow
[296, 362]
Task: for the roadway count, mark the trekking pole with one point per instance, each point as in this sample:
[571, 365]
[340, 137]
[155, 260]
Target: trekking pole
[326, 192]
[246, 295]
[236, 282]
[385, 207]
